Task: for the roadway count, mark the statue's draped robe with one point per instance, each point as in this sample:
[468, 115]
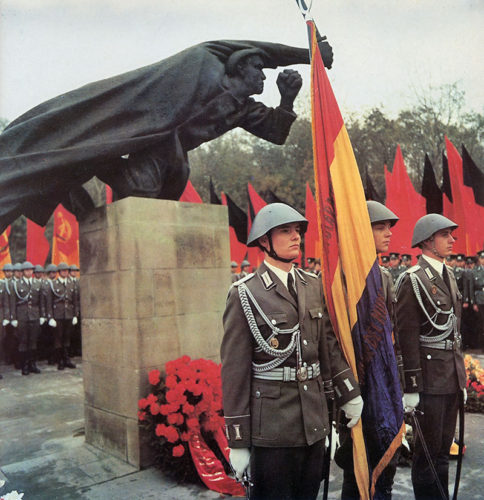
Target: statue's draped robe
[63, 142]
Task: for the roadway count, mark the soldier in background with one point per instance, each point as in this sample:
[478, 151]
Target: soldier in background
[462, 280]
[310, 265]
[76, 340]
[278, 353]
[470, 262]
[317, 267]
[244, 269]
[477, 298]
[27, 315]
[39, 272]
[406, 260]
[396, 269]
[4, 312]
[385, 261]
[10, 341]
[427, 320]
[233, 271]
[451, 260]
[48, 332]
[62, 314]
[17, 271]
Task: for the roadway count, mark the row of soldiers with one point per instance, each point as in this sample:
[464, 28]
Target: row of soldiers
[33, 299]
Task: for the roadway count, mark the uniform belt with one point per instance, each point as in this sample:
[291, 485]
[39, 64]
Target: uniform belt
[288, 374]
[445, 345]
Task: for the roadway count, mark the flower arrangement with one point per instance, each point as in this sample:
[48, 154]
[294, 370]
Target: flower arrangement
[183, 414]
[12, 495]
[475, 385]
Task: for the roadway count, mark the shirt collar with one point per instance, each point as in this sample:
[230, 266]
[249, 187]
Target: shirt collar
[436, 264]
[282, 275]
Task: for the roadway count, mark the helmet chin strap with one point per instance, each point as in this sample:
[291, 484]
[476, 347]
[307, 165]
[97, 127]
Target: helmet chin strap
[434, 251]
[272, 253]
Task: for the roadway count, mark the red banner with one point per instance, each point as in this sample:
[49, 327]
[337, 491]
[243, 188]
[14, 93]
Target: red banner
[4, 249]
[65, 241]
[37, 244]
[190, 194]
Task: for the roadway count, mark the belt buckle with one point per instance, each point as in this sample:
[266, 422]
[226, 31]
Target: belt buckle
[302, 373]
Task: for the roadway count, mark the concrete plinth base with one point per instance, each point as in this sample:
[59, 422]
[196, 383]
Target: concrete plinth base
[155, 275]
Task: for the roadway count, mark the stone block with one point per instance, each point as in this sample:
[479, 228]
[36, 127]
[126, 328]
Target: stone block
[106, 431]
[159, 341]
[164, 292]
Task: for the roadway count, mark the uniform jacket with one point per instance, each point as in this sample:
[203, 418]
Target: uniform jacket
[432, 371]
[476, 285]
[276, 413]
[26, 303]
[4, 301]
[61, 299]
[70, 138]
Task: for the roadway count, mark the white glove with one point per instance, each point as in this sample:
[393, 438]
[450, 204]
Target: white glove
[464, 391]
[14, 323]
[52, 322]
[41, 321]
[239, 459]
[411, 401]
[74, 320]
[353, 409]
[5, 322]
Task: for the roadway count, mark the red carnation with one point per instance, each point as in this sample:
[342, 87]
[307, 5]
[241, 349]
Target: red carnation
[141, 416]
[160, 430]
[142, 403]
[192, 423]
[154, 376]
[171, 381]
[151, 399]
[171, 434]
[155, 409]
[175, 419]
[178, 450]
[188, 408]
[169, 408]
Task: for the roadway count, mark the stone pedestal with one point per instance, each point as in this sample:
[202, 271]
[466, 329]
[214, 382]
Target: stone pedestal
[154, 279]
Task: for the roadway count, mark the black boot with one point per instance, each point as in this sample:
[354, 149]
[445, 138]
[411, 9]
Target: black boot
[24, 357]
[32, 363]
[67, 362]
[60, 360]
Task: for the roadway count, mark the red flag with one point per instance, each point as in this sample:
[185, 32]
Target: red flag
[238, 250]
[37, 244]
[4, 249]
[65, 241]
[407, 203]
[469, 232]
[312, 242]
[190, 194]
[255, 255]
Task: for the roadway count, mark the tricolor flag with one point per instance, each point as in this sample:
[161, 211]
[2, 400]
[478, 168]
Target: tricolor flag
[312, 241]
[237, 229]
[352, 282]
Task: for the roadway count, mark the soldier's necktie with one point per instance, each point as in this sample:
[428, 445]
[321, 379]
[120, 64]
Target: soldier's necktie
[291, 286]
[445, 277]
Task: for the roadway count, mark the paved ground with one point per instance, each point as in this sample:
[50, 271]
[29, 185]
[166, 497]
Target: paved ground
[43, 453]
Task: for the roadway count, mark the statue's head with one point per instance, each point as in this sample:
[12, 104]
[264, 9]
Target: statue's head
[247, 67]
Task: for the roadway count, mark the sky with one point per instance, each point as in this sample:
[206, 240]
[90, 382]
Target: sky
[385, 51]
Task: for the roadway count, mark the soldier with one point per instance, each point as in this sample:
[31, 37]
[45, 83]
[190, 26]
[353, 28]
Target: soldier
[385, 261]
[49, 332]
[477, 297]
[244, 269]
[233, 271]
[10, 339]
[4, 308]
[39, 272]
[27, 316]
[278, 353]
[76, 340]
[62, 312]
[451, 260]
[310, 265]
[427, 312]
[382, 220]
[17, 271]
[395, 268]
[406, 260]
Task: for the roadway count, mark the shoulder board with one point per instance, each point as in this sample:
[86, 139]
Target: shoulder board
[306, 273]
[413, 269]
[384, 270]
[242, 280]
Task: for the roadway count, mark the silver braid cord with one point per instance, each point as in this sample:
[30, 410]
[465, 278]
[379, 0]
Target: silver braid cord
[450, 326]
[280, 354]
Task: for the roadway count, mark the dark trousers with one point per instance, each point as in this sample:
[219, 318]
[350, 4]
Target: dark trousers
[287, 473]
[62, 333]
[438, 426]
[28, 334]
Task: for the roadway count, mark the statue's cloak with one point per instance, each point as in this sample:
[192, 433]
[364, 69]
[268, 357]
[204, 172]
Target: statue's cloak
[61, 143]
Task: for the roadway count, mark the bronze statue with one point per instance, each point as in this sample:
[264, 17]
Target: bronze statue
[133, 131]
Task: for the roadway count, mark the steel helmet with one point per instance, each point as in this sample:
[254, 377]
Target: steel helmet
[51, 268]
[38, 269]
[62, 266]
[233, 264]
[271, 216]
[428, 225]
[27, 265]
[245, 263]
[380, 213]
[17, 266]
[8, 267]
